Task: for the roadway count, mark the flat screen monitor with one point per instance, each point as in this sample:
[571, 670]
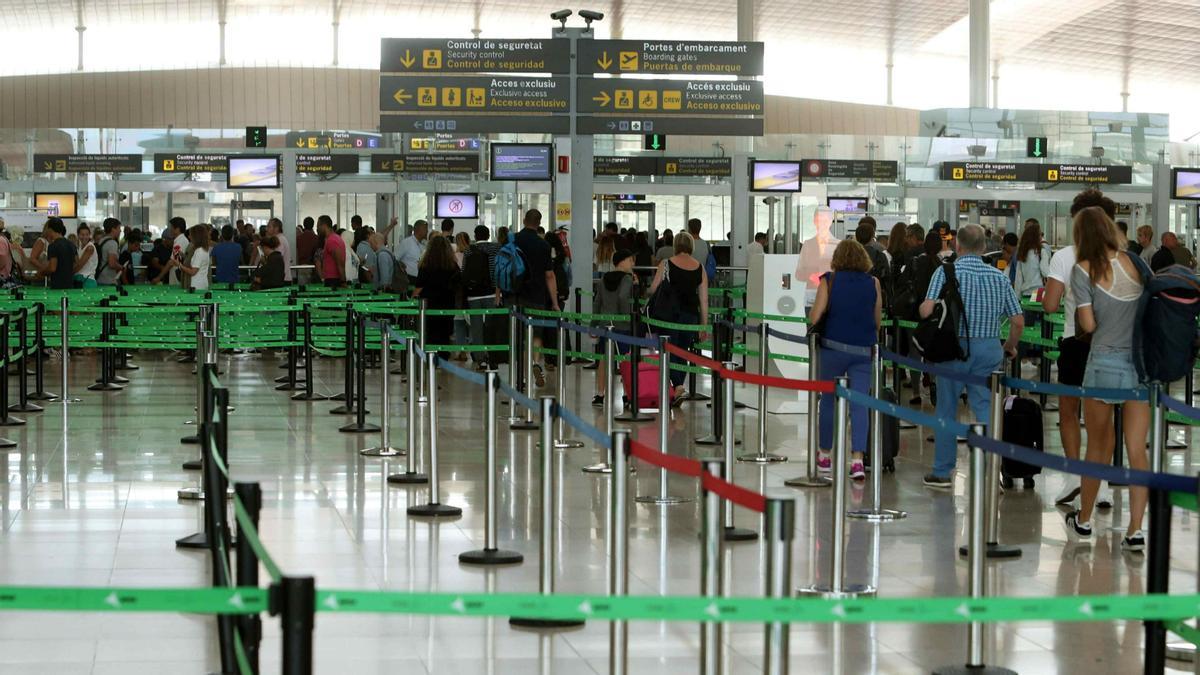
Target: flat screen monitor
[253, 172]
[456, 205]
[774, 176]
[1185, 183]
[61, 204]
[847, 204]
[521, 161]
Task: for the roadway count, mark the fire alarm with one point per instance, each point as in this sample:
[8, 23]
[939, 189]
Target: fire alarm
[564, 164]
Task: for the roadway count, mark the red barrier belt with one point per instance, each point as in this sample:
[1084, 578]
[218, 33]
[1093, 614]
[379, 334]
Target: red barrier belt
[672, 463]
[738, 495]
[820, 386]
[695, 358]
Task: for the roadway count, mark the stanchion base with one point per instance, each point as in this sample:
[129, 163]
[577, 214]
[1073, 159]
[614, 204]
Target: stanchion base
[880, 516]
[42, 396]
[65, 401]
[129, 366]
[354, 428]
[661, 500]
[809, 482]
[117, 379]
[299, 386]
[190, 440]
[190, 358]
[338, 397]
[762, 459]
[634, 417]
[602, 467]
[190, 493]
[695, 397]
[103, 386]
[192, 465]
[198, 540]
[7, 443]
[546, 624]
[310, 397]
[408, 479]
[739, 534]
[435, 510]
[381, 451]
[973, 670]
[12, 422]
[1181, 650]
[344, 410]
[28, 407]
[566, 443]
[848, 591]
[1172, 444]
[490, 556]
[713, 440]
[995, 550]
[524, 425]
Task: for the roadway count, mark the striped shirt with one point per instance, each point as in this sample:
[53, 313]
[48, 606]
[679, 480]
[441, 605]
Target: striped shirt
[987, 296]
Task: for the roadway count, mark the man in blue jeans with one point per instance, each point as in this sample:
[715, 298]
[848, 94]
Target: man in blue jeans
[988, 297]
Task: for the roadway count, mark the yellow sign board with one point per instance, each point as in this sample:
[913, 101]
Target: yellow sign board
[432, 58]
[628, 61]
[648, 100]
[451, 97]
[476, 97]
[672, 100]
[624, 99]
[427, 97]
[562, 212]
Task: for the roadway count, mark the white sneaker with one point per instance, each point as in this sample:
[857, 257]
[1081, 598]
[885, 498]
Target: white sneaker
[1068, 494]
[1104, 498]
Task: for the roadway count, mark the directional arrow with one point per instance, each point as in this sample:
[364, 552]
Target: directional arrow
[417, 124]
[712, 610]
[401, 97]
[237, 601]
[603, 99]
[408, 59]
[839, 610]
[112, 599]
[331, 602]
[964, 610]
[585, 608]
[654, 142]
[299, 142]
[1086, 609]
[458, 605]
[610, 126]
[1037, 147]
[604, 62]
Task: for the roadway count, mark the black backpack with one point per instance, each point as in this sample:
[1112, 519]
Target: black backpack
[904, 299]
[1165, 338]
[881, 269]
[936, 336]
[477, 275]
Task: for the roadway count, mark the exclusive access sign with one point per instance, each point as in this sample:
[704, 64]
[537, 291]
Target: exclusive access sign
[449, 55]
[506, 94]
[670, 57]
[671, 97]
[1018, 172]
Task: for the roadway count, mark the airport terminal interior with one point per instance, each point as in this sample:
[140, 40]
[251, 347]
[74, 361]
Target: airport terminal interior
[481, 336]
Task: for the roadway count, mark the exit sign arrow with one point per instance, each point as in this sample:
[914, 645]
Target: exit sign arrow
[401, 96]
[602, 98]
[408, 59]
[1036, 146]
[604, 62]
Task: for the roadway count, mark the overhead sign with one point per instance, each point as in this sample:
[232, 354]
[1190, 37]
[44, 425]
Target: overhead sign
[400, 55]
[1036, 146]
[883, 171]
[331, 140]
[87, 163]
[691, 126]
[448, 163]
[697, 166]
[507, 94]
[671, 97]
[625, 166]
[315, 163]
[1036, 173]
[191, 163]
[475, 124]
[655, 142]
[674, 57]
[256, 137]
[445, 144]
[633, 206]
[662, 166]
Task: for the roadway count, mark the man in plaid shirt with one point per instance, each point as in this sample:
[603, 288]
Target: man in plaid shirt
[987, 298]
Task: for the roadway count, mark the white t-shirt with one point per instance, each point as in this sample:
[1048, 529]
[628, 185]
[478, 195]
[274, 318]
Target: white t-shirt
[201, 261]
[1061, 264]
[88, 271]
[178, 246]
[285, 250]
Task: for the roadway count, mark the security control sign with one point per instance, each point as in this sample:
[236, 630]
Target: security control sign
[190, 163]
[1089, 173]
[399, 55]
[850, 168]
[448, 163]
[670, 57]
[87, 163]
[326, 164]
[1036, 173]
[671, 97]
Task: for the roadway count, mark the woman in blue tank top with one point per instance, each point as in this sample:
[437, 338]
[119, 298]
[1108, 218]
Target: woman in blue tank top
[851, 298]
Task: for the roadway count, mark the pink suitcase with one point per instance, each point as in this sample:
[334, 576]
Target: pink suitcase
[647, 381]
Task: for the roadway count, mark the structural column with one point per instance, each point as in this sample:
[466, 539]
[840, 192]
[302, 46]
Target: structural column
[980, 29]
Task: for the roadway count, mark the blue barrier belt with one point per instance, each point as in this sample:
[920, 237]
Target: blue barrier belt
[739, 327]
[602, 439]
[1055, 389]
[462, 373]
[786, 336]
[518, 397]
[419, 352]
[907, 414]
[1116, 474]
[645, 343]
[586, 330]
[853, 350]
[395, 336]
[1180, 407]
[536, 323]
[935, 369]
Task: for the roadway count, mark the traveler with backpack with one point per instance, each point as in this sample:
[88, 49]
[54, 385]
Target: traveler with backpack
[905, 298]
[1033, 261]
[390, 277]
[479, 268]
[684, 285]
[412, 247]
[986, 298]
[1107, 283]
[702, 252]
[850, 302]
[108, 250]
[881, 267]
[525, 278]
[919, 275]
[616, 293]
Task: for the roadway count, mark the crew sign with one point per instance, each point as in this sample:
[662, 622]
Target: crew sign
[402, 55]
[670, 57]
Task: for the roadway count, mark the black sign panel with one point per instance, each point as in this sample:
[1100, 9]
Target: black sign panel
[1036, 173]
[883, 171]
[474, 94]
[693, 126]
[342, 163]
[1090, 173]
[633, 206]
[331, 140]
[625, 166]
[449, 163]
[662, 166]
[1036, 146]
[256, 137]
[671, 97]
[475, 124]
[444, 55]
[672, 57]
[87, 163]
[193, 163]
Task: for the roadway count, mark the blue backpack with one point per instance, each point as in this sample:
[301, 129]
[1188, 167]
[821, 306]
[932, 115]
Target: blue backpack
[511, 270]
[710, 266]
[1165, 336]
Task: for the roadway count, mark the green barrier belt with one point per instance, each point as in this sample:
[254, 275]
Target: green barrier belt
[763, 610]
[1185, 631]
[185, 600]
[742, 349]
[246, 529]
[466, 348]
[743, 314]
[1176, 418]
[487, 311]
[576, 316]
[694, 327]
[677, 367]
[1184, 501]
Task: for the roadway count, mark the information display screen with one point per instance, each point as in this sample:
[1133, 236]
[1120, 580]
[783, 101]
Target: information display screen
[61, 204]
[1185, 183]
[456, 205]
[255, 171]
[774, 176]
[520, 161]
[847, 204]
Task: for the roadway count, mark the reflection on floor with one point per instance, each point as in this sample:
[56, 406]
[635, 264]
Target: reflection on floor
[90, 499]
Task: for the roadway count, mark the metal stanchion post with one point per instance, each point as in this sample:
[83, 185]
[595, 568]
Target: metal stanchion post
[5, 419]
[812, 477]
[977, 571]
[64, 321]
[250, 625]
[423, 398]
[106, 382]
[995, 430]
[877, 514]
[290, 383]
[1159, 534]
[412, 443]
[202, 322]
[434, 507]
[310, 375]
[527, 422]
[39, 363]
[764, 361]
[725, 400]
[359, 425]
[711, 574]
[347, 395]
[296, 605]
[23, 404]
[384, 449]
[618, 551]
[514, 364]
[664, 427]
[780, 524]
[560, 439]
[633, 412]
[548, 544]
[609, 395]
[836, 586]
[719, 419]
[491, 554]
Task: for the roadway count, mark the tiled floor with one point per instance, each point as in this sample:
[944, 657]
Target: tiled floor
[96, 505]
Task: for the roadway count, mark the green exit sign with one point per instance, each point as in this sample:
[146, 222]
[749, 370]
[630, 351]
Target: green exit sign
[1036, 147]
[655, 142]
[256, 137]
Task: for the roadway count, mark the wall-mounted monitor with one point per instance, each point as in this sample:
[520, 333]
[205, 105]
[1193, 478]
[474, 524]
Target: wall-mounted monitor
[521, 161]
[61, 204]
[251, 172]
[456, 205]
[774, 176]
[1185, 183]
[847, 204]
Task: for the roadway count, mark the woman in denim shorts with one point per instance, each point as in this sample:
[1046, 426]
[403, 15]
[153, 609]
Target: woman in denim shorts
[1107, 285]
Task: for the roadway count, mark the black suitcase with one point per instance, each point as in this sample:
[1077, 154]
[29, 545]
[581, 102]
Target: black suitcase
[891, 436]
[1022, 426]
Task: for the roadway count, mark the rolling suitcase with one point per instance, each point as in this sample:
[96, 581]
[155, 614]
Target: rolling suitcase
[891, 436]
[647, 382]
[1022, 426]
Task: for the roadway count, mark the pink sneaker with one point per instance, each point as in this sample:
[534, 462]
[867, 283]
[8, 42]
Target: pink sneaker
[824, 463]
[857, 471]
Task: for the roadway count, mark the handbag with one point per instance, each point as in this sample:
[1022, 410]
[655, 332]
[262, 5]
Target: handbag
[819, 326]
[662, 305]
